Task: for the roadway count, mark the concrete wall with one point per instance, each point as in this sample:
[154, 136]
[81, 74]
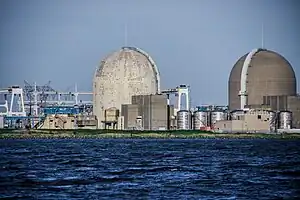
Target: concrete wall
[230, 126]
[152, 109]
[257, 122]
[154, 112]
[130, 113]
[121, 125]
[158, 116]
[251, 122]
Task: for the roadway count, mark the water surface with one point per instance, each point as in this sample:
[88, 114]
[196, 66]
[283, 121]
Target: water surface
[149, 169]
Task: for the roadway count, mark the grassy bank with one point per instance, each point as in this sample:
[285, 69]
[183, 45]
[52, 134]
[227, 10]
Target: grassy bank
[102, 134]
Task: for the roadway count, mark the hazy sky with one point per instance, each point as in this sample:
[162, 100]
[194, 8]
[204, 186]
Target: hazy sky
[193, 42]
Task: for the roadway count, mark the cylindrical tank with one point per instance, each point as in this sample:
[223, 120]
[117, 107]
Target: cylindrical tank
[217, 116]
[200, 120]
[236, 114]
[285, 120]
[1, 122]
[272, 120]
[184, 119]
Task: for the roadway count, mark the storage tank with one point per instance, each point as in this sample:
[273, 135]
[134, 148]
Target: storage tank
[200, 120]
[285, 120]
[1, 122]
[272, 120]
[184, 118]
[217, 116]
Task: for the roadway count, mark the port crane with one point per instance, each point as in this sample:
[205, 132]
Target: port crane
[179, 92]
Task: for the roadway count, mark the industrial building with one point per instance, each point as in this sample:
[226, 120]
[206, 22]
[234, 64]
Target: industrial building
[256, 120]
[42, 107]
[66, 117]
[248, 121]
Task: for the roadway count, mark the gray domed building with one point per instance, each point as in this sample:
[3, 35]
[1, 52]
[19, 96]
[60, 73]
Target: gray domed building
[264, 78]
[122, 74]
[266, 73]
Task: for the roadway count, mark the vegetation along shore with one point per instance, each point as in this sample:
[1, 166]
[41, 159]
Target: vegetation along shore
[102, 134]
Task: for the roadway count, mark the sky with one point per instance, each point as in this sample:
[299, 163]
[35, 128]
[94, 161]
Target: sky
[193, 42]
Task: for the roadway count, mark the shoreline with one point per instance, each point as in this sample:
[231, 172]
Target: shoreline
[114, 134]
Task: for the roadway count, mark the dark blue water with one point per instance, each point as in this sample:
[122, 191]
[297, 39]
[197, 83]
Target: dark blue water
[149, 169]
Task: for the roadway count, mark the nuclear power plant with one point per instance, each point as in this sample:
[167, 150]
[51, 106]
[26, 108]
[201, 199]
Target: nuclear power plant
[127, 95]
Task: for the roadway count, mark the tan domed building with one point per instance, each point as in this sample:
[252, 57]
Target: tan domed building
[264, 78]
[267, 74]
[122, 74]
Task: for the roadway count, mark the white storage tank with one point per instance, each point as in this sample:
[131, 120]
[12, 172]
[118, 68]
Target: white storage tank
[1, 122]
[272, 120]
[184, 119]
[285, 120]
[200, 120]
[217, 116]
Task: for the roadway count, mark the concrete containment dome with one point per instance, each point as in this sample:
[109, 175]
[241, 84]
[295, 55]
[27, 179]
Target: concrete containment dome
[264, 73]
[124, 73]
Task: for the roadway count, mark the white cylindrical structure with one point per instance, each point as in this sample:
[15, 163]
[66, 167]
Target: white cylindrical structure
[217, 116]
[184, 119]
[285, 120]
[200, 120]
[272, 120]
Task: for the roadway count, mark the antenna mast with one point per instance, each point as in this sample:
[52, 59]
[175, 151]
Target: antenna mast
[125, 34]
[262, 35]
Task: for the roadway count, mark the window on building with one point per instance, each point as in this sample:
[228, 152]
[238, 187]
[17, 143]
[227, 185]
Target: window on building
[258, 116]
